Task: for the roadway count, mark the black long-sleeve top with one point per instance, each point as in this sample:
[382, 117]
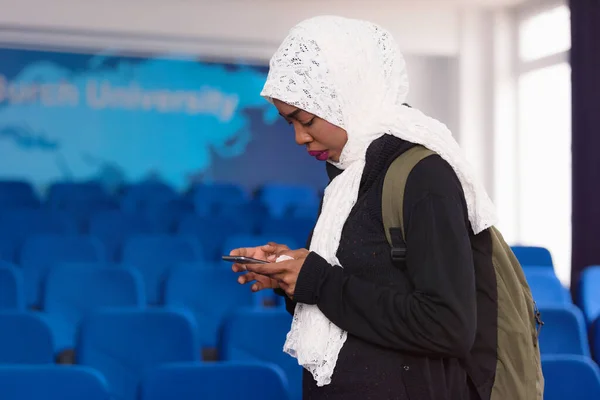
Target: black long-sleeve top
[421, 310]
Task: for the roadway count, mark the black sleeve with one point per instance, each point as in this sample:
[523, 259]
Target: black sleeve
[438, 317]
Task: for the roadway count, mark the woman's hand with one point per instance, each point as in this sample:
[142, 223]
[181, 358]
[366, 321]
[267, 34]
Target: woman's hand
[285, 273]
[268, 252]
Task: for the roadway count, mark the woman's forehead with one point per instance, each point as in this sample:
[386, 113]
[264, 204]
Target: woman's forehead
[286, 109]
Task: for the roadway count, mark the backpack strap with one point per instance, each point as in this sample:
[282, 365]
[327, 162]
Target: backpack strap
[392, 207]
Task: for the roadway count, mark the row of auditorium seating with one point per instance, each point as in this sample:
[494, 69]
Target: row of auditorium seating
[125, 345]
[70, 291]
[152, 255]
[567, 377]
[278, 199]
[114, 227]
[569, 330]
[180, 381]
[164, 211]
[548, 290]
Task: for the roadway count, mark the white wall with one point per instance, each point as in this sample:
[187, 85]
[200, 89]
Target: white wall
[229, 28]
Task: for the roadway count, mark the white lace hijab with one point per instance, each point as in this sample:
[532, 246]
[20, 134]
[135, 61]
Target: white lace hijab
[352, 74]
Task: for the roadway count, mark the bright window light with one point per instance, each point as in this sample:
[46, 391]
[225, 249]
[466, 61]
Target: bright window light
[544, 174]
[545, 34]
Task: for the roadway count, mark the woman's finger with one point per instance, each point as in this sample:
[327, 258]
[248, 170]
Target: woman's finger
[249, 277]
[238, 268]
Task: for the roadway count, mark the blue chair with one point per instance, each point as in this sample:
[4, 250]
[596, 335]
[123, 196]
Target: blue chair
[72, 291]
[25, 338]
[545, 287]
[533, 256]
[251, 214]
[69, 195]
[564, 331]
[279, 198]
[124, 345]
[594, 335]
[8, 247]
[19, 224]
[268, 329]
[214, 382]
[114, 227]
[589, 293]
[570, 377]
[155, 255]
[42, 252]
[17, 194]
[52, 382]
[164, 217]
[12, 291]
[305, 211]
[209, 197]
[210, 294]
[298, 229]
[212, 232]
[141, 196]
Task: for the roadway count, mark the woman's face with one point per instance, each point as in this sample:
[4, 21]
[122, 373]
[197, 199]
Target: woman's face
[323, 140]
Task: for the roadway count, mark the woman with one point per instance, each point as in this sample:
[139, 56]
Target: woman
[363, 327]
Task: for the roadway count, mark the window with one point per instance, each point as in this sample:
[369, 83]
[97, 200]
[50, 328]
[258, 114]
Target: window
[545, 33]
[532, 142]
[544, 159]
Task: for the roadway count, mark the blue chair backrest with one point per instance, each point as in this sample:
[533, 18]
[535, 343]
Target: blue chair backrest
[208, 198]
[305, 211]
[279, 198]
[570, 377]
[589, 293]
[8, 247]
[533, 256]
[138, 197]
[41, 252]
[155, 255]
[165, 217]
[251, 214]
[268, 329]
[114, 227]
[545, 287]
[25, 338]
[564, 331]
[212, 232]
[296, 228]
[18, 224]
[52, 382]
[210, 294]
[125, 344]
[12, 291]
[73, 290]
[214, 382]
[17, 194]
[65, 195]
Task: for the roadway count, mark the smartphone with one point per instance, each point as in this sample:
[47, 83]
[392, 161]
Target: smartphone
[243, 260]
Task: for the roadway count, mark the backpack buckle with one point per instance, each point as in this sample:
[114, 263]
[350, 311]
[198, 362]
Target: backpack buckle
[398, 254]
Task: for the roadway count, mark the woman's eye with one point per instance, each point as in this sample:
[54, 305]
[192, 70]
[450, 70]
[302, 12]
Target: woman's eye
[309, 123]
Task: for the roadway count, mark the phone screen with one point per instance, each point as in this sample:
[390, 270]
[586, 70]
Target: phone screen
[243, 260]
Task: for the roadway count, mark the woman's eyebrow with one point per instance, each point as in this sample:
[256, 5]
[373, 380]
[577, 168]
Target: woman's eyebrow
[291, 115]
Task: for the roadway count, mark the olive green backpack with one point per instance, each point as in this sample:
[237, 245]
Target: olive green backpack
[518, 368]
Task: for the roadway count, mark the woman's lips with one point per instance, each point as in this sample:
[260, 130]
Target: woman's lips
[320, 155]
